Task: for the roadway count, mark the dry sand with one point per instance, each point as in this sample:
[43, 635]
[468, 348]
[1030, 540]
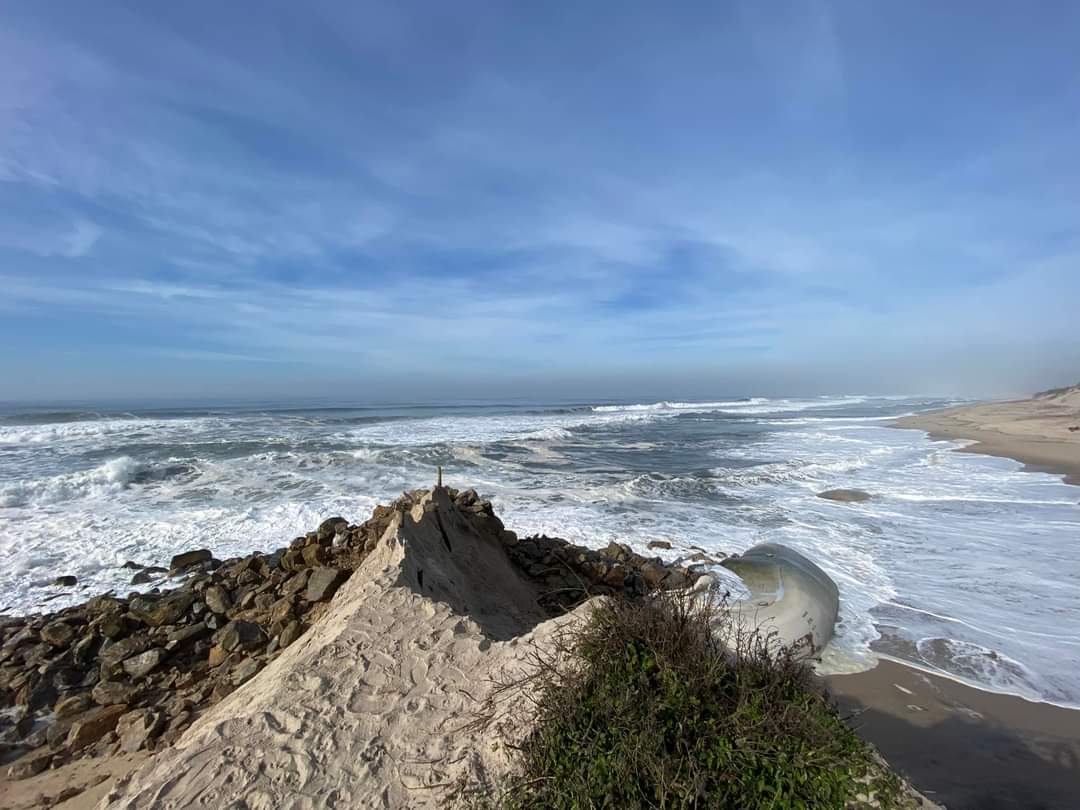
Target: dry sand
[377, 705]
[89, 780]
[963, 747]
[1033, 431]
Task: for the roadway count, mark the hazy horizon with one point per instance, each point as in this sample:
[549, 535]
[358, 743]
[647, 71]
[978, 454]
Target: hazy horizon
[367, 203]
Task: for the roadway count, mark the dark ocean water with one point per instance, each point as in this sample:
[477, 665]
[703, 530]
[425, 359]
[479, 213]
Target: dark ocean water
[962, 564]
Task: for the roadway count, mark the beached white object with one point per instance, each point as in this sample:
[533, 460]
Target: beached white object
[790, 596]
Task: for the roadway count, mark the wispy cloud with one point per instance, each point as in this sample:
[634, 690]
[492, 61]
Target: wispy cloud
[701, 188]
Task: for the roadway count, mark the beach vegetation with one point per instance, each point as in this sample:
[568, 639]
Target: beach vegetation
[641, 706]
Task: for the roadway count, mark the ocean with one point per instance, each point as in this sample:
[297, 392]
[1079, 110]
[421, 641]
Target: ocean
[961, 564]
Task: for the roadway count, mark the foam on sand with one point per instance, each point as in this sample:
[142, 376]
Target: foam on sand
[374, 705]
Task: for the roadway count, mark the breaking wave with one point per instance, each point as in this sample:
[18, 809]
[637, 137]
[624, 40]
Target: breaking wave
[110, 478]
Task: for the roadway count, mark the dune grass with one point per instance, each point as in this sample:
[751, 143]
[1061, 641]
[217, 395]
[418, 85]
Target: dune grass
[641, 707]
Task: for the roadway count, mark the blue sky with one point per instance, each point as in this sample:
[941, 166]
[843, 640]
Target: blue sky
[569, 199]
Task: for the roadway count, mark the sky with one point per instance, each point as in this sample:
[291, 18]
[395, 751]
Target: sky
[422, 200]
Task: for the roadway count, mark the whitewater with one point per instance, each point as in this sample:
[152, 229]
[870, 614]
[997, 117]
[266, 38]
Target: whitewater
[961, 564]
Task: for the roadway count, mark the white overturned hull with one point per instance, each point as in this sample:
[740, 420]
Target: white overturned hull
[791, 598]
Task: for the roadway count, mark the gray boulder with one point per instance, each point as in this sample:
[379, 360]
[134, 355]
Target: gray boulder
[143, 664]
[324, 582]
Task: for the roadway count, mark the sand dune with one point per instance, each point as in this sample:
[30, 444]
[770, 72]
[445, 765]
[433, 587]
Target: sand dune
[374, 706]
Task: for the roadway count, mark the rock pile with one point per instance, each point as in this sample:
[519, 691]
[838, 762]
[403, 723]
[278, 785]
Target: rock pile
[131, 673]
[570, 574]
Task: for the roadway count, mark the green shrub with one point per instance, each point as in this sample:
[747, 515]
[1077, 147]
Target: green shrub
[641, 707]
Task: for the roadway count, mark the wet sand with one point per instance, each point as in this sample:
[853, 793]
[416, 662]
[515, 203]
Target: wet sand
[962, 747]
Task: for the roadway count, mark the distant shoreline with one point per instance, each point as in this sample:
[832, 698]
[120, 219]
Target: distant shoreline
[1036, 432]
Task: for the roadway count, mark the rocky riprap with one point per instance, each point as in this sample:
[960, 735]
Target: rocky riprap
[131, 673]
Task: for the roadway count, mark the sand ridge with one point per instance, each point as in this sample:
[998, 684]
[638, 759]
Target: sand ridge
[373, 706]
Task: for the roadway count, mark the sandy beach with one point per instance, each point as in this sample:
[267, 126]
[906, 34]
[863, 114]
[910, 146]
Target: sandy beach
[1042, 432]
[965, 747]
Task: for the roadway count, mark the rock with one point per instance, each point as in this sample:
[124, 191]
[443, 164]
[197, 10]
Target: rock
[247, 577]
[675, 580]
[135, 729]
[291, 632]
[660, 544]
[246, 670]
[56, 733]
[240, 635]
[281, 610]
[845, 495]
[29, 766]
[43, 694]
[293, 559]
[186, 635]
[66, 581]
[104, 604]
[112, 626]
[141, 665]
[190, 558]
[71, 705]
[324, 582]
[83, 650]
[125, 648]
[59, 634]
[508, 538]
[217, 656]
[296, 583]
[618, 552]
[328, 528]
[314, 555]
[148, 574]
[217, 599]
[702, 557]
[71, 792]
[94, 725]
[616, 576]
[159, 610]
[653, 574]
[18, 725]
[64, 677]
[112, 693]
[264, 601]
[179, 705]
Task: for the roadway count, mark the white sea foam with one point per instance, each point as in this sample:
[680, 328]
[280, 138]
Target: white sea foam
[756, 405]
[111, 477]
[92, 431]
[678, 406]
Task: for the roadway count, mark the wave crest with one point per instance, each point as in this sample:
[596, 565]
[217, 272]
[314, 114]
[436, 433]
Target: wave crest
[112, 477]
